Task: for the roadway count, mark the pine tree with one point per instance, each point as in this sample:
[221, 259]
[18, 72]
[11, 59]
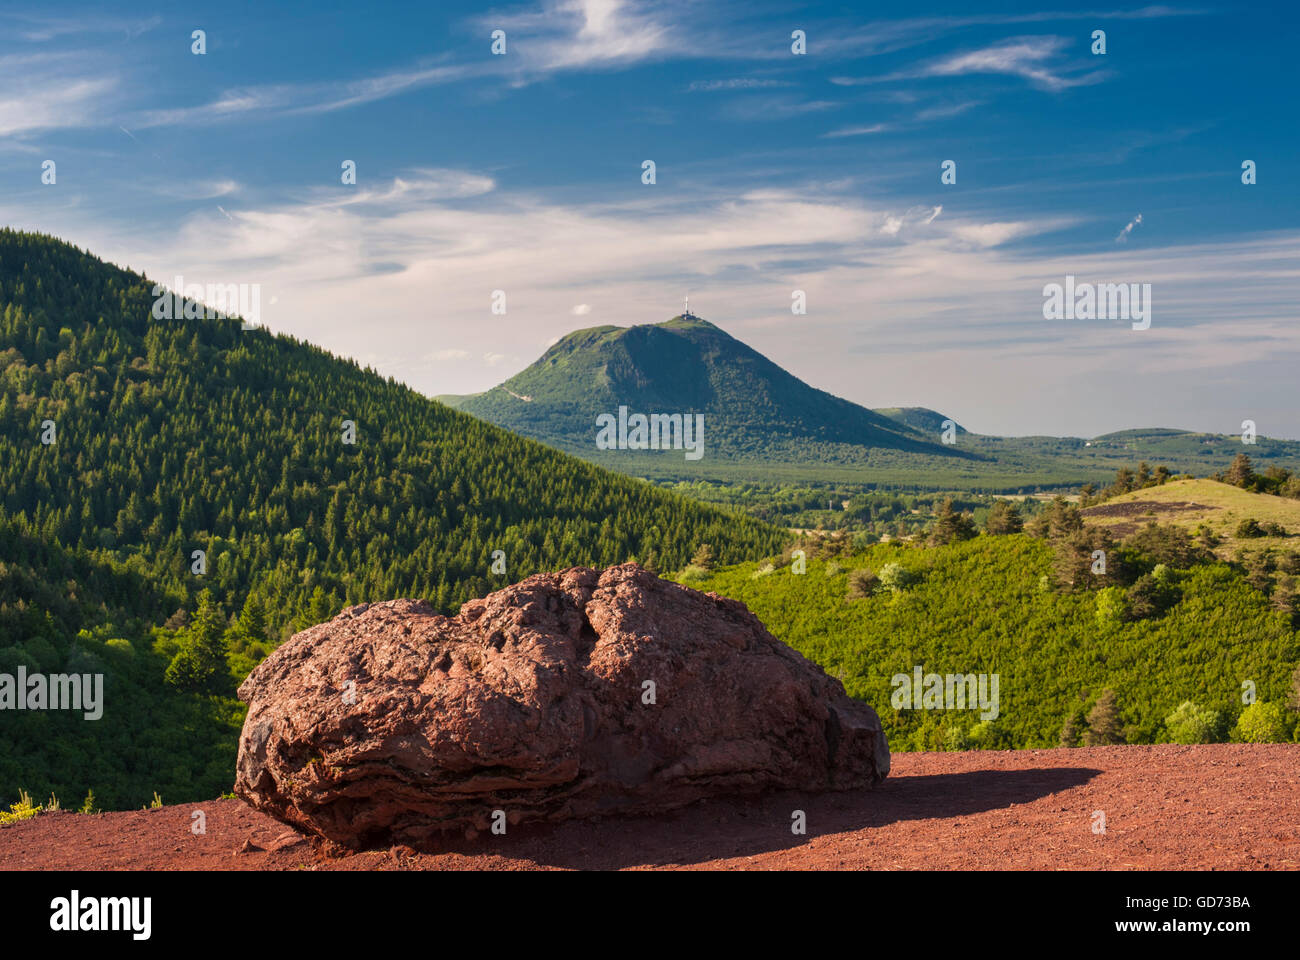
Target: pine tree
[1104, 722]
[1285, 599]
[704, 558]
[1004, 518]
[1069, 732]
[950, 525]
[1240, 473]
[252, 620]
[200, 664]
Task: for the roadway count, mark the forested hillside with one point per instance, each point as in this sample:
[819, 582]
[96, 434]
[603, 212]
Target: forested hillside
[1155, 635]
[129, 443]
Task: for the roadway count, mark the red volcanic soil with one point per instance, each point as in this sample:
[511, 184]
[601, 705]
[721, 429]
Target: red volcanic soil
[1216, 806]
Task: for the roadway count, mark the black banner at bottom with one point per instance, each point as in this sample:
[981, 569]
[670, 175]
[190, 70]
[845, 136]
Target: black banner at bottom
[361, 909]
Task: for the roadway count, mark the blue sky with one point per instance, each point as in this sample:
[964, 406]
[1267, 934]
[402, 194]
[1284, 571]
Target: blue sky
[775, 172]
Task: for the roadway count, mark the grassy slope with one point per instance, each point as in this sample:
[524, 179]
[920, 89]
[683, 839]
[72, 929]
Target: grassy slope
[1217, 505]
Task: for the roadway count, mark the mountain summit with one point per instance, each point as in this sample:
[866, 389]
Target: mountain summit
[754, 409]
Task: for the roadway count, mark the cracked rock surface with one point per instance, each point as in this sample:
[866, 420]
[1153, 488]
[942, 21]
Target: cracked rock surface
[570, 694]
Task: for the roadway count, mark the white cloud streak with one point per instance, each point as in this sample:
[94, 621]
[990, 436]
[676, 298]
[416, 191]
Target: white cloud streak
[1123, 234]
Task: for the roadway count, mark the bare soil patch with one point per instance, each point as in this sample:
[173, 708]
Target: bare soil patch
[1120, 517]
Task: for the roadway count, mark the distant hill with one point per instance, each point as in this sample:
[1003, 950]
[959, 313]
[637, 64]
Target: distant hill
[764, 425]
[927, 422]
[754, 410]
[127, 443]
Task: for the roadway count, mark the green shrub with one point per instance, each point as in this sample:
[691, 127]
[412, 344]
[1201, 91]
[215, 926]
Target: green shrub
[954, 738]
[694, 574]
[864, 539]
[1167, 544]
[1260, 722]
[1190, 723]
[1249, 528]
[1149, 597]
[896, 577]
[981, 735]
[1111, 608]
[22, 810]
[863, 582]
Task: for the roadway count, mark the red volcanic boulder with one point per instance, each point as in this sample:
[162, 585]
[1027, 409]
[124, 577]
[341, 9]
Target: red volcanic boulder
[567, 695]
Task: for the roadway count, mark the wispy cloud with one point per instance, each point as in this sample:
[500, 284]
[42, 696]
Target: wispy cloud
[46, 91]
[942, 111]
[552, 37]
[738, 83]
[586, 34]
[1123, 234]
[1036, 59]
[39, 29]
[889, 36]
[1028, 57]
[238, 102]
[857, 131]
[561, 35]
[421, 185]
[775, 107]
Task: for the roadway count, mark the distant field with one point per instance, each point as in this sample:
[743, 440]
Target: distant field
[1190, 503]
[997, 465]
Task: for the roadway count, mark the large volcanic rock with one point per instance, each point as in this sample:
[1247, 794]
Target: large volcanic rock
[391, 723]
